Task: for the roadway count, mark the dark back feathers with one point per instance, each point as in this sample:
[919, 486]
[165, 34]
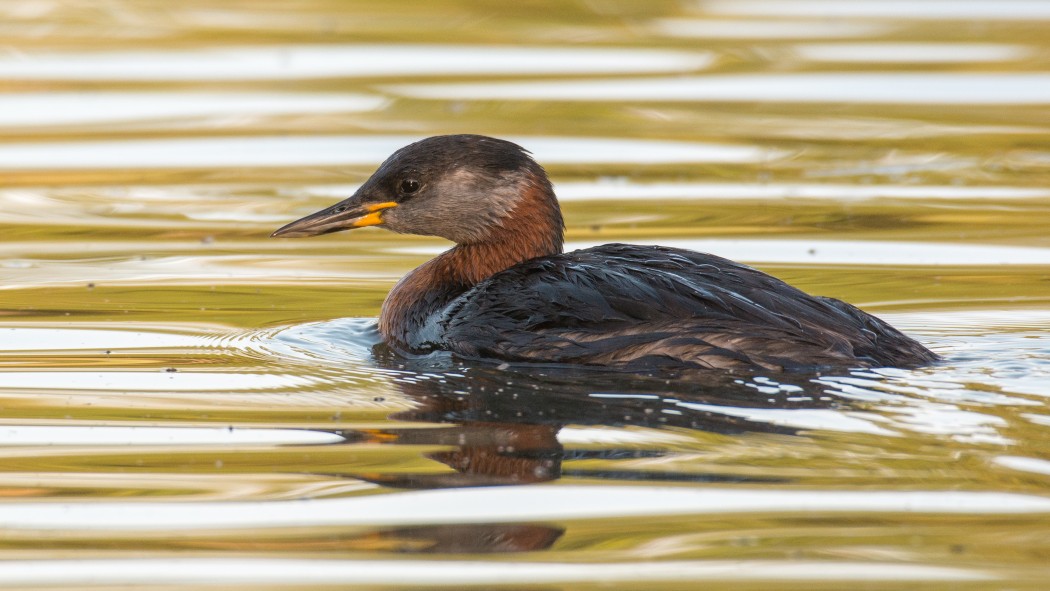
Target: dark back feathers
[643, 308]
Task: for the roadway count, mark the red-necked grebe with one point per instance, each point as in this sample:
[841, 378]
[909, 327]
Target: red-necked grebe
[507, 292]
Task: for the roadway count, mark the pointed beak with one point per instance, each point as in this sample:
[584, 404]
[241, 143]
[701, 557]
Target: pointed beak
[345, 215]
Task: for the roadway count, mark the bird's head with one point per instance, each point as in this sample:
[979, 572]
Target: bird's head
[461, 187]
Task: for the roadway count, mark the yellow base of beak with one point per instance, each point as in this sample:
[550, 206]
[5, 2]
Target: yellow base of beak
[374, 216]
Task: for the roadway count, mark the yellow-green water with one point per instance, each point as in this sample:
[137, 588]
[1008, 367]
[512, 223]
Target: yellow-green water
[187, 403]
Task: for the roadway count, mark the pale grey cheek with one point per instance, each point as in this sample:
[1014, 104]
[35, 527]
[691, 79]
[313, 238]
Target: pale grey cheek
[464, 208]
[455, 224]
[408, 221]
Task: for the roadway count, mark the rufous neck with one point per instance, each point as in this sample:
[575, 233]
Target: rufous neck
[470, 264]
[408, 309]
[534, 229]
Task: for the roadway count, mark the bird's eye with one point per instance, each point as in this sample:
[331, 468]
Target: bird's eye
[409, 186]
[340, 208]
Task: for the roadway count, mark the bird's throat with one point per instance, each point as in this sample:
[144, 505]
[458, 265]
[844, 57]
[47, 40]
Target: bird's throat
[409, 310]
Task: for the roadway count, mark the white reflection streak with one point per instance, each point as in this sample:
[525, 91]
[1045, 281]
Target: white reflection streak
[82, 108]
[140, 381]
[974, 320]
[624, 190]
[289, 151]
[833, 252]
[321, 61]
[623, 436]
[766, 29]
[299, 572]
[1038, 419]
[1014, 10]
[32, 435]
[621, 189]
[65, 339]
[946, 53]
[1033, 465]
[946, 419]
[501, 505]
[867, 252]
[170, 270]
[838, 87]
[822, 419]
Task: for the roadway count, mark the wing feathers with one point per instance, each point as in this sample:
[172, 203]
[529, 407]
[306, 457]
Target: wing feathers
[638, 308]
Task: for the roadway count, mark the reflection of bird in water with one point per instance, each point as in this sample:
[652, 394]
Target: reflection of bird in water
[501, 427]
[494, 427]
[507, 292]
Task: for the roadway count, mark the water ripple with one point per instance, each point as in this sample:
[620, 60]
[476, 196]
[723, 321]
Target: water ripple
[32, 435]
[59, 108]
[923, 88]
[1019, 10]
[334, 150]
[285, 62]
[834, 252]
[424, 574]
[504, 504]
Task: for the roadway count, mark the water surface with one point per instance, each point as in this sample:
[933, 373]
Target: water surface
[187, 403]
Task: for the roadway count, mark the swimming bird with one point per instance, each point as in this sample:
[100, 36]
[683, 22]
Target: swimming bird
[507, 292]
